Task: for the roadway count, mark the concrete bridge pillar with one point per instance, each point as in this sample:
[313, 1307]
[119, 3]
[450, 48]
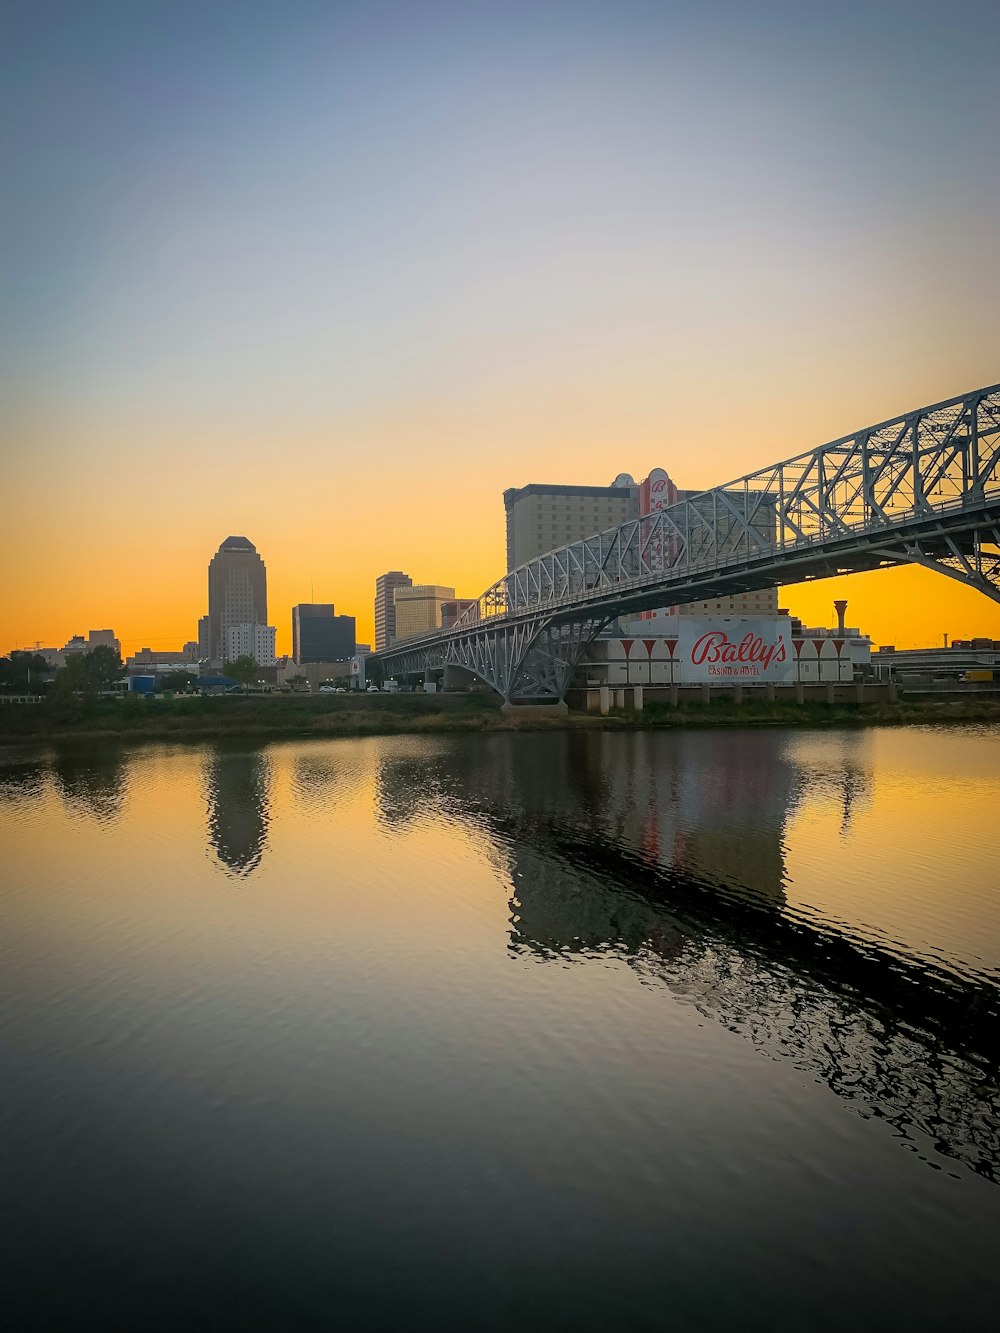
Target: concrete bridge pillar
[637, 703]
[619, 698]
[455, 678]
[605, 701]
[512, 708]
[800, 692]
[831, 692]
[769, 691]
[675, 695]
[706, 694]
[859, 693]
[738, 695]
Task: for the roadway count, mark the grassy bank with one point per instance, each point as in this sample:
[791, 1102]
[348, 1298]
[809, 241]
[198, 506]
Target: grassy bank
[290, 716]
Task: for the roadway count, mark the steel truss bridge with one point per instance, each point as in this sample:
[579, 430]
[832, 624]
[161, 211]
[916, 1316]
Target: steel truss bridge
[921, 489]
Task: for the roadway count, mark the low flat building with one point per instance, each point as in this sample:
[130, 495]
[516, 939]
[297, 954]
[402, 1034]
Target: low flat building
[159, 664]
[724, 650]
[954, 662]
[312, 675]
[187, 657]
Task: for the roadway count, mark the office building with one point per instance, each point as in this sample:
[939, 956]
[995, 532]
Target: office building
[318, 635]
[80, 643]
[146, 657]
[385, 606]
[103, 638]
[251, 640]
[418, 608]
[452, 611]
[237, 593]
[95, 638]
[543, 518]
[204, 638]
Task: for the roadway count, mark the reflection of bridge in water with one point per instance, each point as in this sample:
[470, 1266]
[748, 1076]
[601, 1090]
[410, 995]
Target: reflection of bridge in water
[642, 851]
[922, 489]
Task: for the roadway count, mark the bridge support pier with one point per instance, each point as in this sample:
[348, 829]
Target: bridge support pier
[605, 701]
[800, 692]
[769, 691]
[831, 693]
[738, 695]
[706, 694]
[859, 693]
[675, 696]
[637, 702]
[455, 677]
[511, 708]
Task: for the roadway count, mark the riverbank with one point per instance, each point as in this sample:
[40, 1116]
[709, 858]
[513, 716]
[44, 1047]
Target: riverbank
[272, 718]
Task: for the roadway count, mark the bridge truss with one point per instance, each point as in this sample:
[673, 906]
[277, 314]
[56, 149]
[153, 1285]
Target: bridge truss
[922, 489]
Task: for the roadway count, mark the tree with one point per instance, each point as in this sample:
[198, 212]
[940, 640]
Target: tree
[104, 667]
[91, 673]
[243, 670]
[296, 681]
[22, 672]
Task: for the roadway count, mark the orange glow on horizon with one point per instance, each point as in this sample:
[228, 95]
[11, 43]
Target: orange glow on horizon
[419, 488]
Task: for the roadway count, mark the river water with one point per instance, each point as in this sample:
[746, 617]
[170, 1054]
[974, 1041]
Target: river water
[512, 1032]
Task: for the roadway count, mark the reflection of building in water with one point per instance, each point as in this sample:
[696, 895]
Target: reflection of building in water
[324, 777]
[666, 851]
[92, 782]
[410, 777]
[236, 789]
[712, 804]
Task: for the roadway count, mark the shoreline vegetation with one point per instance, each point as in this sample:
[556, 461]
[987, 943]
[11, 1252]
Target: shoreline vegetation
[293, 717]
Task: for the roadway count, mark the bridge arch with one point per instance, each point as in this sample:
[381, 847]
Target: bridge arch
[923, 488]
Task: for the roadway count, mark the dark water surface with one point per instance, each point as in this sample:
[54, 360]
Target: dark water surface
[572, 1031]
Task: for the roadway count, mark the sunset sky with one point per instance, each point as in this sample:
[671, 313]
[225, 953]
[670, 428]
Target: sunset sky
[333, 275]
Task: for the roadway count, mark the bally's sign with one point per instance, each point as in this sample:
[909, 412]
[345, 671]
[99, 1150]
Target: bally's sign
[757, 649]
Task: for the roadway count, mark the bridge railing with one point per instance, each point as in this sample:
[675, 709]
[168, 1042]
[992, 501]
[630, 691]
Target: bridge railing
[926, 462]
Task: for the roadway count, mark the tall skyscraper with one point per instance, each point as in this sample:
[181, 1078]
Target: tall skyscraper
[237, 592]
[385, 607]
[320, 636]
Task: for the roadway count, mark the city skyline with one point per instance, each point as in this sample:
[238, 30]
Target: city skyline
[338, 279]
